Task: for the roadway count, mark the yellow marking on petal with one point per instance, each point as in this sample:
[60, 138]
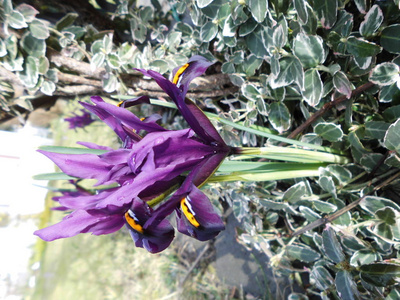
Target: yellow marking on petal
[188, 212]
[120, 103]
[179, 73]
[132, 221]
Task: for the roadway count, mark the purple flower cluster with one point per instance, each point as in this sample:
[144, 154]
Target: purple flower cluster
[80, 121]
[154, 175]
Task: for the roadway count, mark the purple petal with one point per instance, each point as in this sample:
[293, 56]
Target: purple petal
[81, 221]
[80, 121]
[94, 146]
[197, 66]
[87, 166]
[193, 115]
[153, 238]
[197, 217]
[125, 116]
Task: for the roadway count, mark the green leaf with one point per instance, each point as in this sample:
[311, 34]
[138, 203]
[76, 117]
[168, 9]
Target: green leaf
[363, 257]
[345, 285]
[326, 11]
[361, 6]
[309, 49]
[110, 82]
[30, 75]
[279, 116]
[52, 176]
[29, 12]
[39, 30]
[329, 131]
[295, 192]
[203, 3]
[309, 214]
[390, 38]
[43, 66]
[327, 184]
[332, 246]
[16, 20]
[208, 31]
[362, 48]
[380, 274]
[48, 87]
[392, 137]
[323, 279]
[372, 204]
[138, 30]
[291, 71]
[324, 207]
[387, 215]
[97, 60]
[160, 65]
[255, 43]
[259, 9]
[376, 129]
[388, 93]
[251, 64]
[344, 24]
[342, 84]
[250, 92]
[72, 150]
[302, 253]
[33, 46]
[248, 27]
[312, 87]
[66, 21]
[372, 20]
[392, 113]
[300, 6]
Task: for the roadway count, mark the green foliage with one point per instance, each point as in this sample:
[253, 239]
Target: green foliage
[285, 60]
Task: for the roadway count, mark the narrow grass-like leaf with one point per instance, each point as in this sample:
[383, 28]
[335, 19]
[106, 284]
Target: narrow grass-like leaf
[72, 150]
[52, 176]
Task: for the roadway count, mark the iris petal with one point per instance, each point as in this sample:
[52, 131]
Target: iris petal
[81, 221]
[153, 238]
[201, 220]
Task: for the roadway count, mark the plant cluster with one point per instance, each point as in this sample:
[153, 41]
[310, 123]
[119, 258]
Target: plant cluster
[323, 72]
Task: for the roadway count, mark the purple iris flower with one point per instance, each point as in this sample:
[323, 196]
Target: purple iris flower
[153, 175]
[80, 121]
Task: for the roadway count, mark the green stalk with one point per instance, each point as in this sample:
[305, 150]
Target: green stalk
[294, 154]
[267, 176]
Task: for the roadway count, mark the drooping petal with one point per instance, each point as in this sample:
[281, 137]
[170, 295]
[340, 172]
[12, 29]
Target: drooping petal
[81, 221]
[193, 115]
[196, 66]
[87, 166]
[197, 218]
[153, 238]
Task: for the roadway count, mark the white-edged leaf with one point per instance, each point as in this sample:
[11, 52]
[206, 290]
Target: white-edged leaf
[312, 87]
[372, 20]
[259, 9]
[392, 137]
